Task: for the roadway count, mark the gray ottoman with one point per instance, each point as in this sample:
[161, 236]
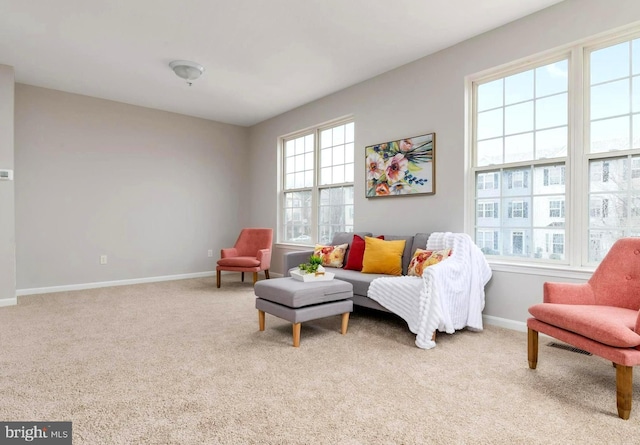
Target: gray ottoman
[297, 301]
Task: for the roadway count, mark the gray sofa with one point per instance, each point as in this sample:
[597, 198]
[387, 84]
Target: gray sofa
[359, 280]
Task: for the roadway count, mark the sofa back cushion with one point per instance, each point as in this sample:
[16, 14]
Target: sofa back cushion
[419, 242]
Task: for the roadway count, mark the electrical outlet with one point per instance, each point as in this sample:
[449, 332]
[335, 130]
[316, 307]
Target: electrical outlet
[103, 259]
[210, 253]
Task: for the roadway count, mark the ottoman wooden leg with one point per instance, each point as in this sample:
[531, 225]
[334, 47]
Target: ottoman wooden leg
[296, 334]
[345, 323]
[261, 319]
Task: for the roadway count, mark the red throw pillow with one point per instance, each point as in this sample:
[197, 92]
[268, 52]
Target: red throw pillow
[356, 253]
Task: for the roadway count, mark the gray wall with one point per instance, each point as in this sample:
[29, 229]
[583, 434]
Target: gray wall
[429, 96]
[151, 190]
[7, 194]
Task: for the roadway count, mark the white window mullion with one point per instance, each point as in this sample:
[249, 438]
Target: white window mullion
[577, 218]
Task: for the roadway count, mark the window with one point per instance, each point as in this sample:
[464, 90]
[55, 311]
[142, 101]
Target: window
[317, 198]
[518, 209]
[555, 245]
[635, 168]
[487, 240]
[487, 210]
[518, 179]
[517, 243]
[553, 176]
[489, 181]
[556, 209]
[522, 119]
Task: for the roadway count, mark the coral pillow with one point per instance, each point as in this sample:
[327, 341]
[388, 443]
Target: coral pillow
[356, 252]
[332, 256]
[425, 258]
[381, 256]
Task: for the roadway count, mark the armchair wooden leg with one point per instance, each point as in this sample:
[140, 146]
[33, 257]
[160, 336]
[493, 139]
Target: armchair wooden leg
[217, 278]
[242, 276]
[266, 274]
[255, 277]
[532, 347]
[624, 390]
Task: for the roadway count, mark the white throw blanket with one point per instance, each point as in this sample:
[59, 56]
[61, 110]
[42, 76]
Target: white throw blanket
[449, 296]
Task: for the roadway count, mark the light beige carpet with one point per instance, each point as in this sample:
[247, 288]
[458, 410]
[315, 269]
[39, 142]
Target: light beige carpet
[184, 363]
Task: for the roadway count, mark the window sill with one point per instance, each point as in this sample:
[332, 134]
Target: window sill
[547, 270]
[288, 246]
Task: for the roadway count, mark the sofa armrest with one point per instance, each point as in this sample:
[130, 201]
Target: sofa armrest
[294, 259]
[229, 252]
[568, 293]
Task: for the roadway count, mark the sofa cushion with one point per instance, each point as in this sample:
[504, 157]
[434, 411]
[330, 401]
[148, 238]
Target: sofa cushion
[356, 253]
[239, 261]
[610, 325]
[359, 280]
[293, 293]
[419, 242]
[381, 256]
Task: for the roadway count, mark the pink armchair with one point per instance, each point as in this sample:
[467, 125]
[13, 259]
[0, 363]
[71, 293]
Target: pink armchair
[600, 316]
[251, 253]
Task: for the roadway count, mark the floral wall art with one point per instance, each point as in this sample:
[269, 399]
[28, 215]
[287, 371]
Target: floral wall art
[402, 167]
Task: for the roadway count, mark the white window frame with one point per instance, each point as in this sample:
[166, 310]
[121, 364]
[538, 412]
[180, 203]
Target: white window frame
[316, 188]
[577, 239]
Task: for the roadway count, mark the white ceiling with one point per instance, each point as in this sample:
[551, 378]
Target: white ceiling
[262, 57]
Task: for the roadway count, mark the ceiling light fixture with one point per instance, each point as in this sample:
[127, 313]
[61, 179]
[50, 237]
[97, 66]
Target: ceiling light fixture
[187, 70]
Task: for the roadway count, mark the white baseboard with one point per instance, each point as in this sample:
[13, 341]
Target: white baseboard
[505, 323]
[47, 290]
[8, 302]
